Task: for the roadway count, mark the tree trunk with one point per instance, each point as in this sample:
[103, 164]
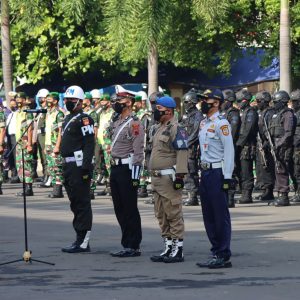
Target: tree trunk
[285, 47]
[6, 49]
[153, 69]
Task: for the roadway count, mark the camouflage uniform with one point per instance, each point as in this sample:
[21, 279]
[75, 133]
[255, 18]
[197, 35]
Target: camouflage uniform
[93, 114]
[22, 121]
[54, 121]
[2, 125]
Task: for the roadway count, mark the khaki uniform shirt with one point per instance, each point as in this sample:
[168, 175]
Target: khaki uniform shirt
[129, 141]
[163, 155]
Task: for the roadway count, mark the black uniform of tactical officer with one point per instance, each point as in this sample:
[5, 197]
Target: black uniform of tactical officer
[191, 122]
[282, 129]
[77, 149]
[246, 144]
[295, 98]
[232, 114]
[265, 175]
[127, 151]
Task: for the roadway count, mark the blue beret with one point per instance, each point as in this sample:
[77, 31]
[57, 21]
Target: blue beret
[213, 94]
[166, 101]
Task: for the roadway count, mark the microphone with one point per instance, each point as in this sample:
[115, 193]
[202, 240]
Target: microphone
[37, 111]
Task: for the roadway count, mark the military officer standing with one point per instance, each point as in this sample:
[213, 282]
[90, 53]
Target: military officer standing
[265, 175]
[217, 163]
[2, 139]
[282, 129]
[232, 114]
[24, 140]
[77, 149]
[168, 165]
[54, 121]
[191, 123]
[246, 144]
[295, 98]
[127, 151]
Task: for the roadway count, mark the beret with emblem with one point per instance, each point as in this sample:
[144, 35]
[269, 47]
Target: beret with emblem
[166, 101]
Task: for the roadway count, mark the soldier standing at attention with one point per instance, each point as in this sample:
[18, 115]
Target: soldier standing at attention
[54, 121]
[77, 149]
[87, 108]
[217, 163]
[168, 165]
[2, 138]
[127, 151]
[23, 120]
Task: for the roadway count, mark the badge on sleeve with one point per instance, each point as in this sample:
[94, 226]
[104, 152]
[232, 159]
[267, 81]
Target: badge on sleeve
[85, 121]
[136, 128]
[225, 130]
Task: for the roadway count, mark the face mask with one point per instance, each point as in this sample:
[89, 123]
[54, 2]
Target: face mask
[13, 108]
[226, 105]
[278, 106]
[103, 106]
[158, 114]
[206, 107]
[71, 105]
[118, 107]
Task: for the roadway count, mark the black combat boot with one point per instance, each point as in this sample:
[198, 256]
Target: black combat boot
[282, 200]
[34, 168]
[166, 253]
[296, 197]
[5, 176]
[28, 190]
[92, 194]
[246, 197]
[267, 195]
[231, 202]
[177, 252]
[1, 193]
[80, 245]
[106, 191]
[57, 192]
[192, 200]
[46, 183]
[15, 179]
[143, 192]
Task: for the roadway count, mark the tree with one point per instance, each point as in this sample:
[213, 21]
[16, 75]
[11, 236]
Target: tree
[6, 48]
[285, 47]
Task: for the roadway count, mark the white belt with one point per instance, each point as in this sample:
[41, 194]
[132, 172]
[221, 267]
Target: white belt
[120, 161]
[157, 173]
[208, 166]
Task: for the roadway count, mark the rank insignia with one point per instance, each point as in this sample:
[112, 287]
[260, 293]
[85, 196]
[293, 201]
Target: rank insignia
[225, 130]
[85, 121]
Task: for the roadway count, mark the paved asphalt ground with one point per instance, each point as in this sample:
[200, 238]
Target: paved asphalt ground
[265, 244]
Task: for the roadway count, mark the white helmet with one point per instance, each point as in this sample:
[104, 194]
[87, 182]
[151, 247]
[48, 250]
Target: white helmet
[143, 95]
[74, 91]
[43, 93]
[96, 94]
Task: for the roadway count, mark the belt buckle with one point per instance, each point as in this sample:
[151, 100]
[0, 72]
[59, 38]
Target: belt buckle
[112, 162]
[156, 173]
[205, 166]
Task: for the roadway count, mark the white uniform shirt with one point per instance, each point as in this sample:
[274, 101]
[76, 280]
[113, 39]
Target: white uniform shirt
[11, 123]
[216, 143]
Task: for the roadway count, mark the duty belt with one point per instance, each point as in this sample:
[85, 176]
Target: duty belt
[159, 173]
[119, 161]
[208, 166]
[68, 159]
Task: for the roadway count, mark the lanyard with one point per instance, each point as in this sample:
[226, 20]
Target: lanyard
[64, 130]
[117, 135]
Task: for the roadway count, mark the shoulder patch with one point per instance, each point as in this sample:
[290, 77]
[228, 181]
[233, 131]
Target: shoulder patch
[225, 130]
[135, 128]
[180, 142]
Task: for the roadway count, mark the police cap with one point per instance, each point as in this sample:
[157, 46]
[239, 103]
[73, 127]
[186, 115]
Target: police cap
[213, 94]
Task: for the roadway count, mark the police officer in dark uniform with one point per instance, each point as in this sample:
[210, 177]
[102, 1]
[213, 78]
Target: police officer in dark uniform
[265, 168]
[77, 150]
[127, 151]
[295, 98]
[191, 122]
[282, 129]
[246, 144]
[232, 114]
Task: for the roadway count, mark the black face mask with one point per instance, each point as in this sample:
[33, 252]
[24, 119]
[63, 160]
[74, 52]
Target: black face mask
[71, 106]
[118, 107]
[296, 105]
[188, 106]
[158, 114]
[206, 107]
[153, 107]
[226, 105]
[278, 105]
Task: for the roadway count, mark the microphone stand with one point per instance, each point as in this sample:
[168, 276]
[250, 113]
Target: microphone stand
[27, 256]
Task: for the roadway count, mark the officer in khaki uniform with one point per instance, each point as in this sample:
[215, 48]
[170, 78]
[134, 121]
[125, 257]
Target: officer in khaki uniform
[127, 152]
[168, 165]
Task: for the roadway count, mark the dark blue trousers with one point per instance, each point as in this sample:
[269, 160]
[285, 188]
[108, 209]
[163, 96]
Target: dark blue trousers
[215, 211]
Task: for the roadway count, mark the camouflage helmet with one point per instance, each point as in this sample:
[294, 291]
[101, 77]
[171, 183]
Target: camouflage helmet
[263, 96]
[295, 95]
[229, 95]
